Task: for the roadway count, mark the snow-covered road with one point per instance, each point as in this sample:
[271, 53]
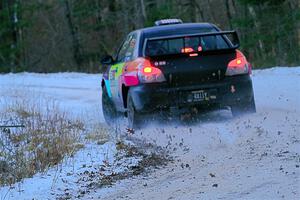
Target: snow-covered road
[252, 157]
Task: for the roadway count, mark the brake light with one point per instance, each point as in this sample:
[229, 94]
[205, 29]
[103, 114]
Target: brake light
[147, 73]
[147, 70]
[187, 50]
[193, 54]
[238, 66]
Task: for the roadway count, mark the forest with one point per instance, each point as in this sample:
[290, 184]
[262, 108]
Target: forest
[73, 35]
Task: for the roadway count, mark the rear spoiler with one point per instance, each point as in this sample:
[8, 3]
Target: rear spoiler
[234, 43]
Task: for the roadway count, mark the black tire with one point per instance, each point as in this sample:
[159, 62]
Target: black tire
[133, 117]
[243, 108]
[108, 108]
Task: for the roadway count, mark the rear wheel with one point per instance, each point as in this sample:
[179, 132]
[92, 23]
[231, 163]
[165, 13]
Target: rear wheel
[243, 108]
[134, 118]
[108, 108]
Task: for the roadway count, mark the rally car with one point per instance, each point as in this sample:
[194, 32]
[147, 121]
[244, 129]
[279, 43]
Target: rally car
[176, 66]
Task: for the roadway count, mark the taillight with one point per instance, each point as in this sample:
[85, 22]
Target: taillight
[147, 73]
[238, 66]
[187, 50]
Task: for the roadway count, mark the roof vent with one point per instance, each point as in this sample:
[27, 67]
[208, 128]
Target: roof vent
[163, 22]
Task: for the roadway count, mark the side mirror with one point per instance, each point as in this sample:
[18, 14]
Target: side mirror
[107, 60]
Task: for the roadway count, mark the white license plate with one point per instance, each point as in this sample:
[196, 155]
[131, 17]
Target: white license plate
[200, 95]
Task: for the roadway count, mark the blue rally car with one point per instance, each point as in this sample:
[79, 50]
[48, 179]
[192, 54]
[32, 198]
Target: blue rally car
[175, 65]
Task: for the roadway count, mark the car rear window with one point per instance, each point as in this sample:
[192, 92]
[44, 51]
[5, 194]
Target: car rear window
[187, 44]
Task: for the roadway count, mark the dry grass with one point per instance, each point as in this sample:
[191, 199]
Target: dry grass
[49, 136]
[98, 133]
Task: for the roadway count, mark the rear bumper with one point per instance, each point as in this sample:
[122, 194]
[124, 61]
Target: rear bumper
[151, 97]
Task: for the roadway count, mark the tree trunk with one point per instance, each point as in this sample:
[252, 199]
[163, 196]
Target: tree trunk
[228, 13]
[74, 34]
[257, 29]
[144, 14]
[211, 12]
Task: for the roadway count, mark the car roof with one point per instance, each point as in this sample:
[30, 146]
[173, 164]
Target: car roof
[176, 29]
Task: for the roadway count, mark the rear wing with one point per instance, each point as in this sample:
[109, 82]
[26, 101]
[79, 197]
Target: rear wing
[191, 43]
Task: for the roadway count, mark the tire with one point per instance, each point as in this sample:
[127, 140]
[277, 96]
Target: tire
[108, 108]
[134, 118]
[243, 108]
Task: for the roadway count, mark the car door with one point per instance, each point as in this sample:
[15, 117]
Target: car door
[125, 54]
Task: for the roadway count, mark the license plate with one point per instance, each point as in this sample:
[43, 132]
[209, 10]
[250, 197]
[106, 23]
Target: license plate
[200, 95]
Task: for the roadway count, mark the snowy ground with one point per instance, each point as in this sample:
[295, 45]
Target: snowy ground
[252, 157]
[77, 93]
